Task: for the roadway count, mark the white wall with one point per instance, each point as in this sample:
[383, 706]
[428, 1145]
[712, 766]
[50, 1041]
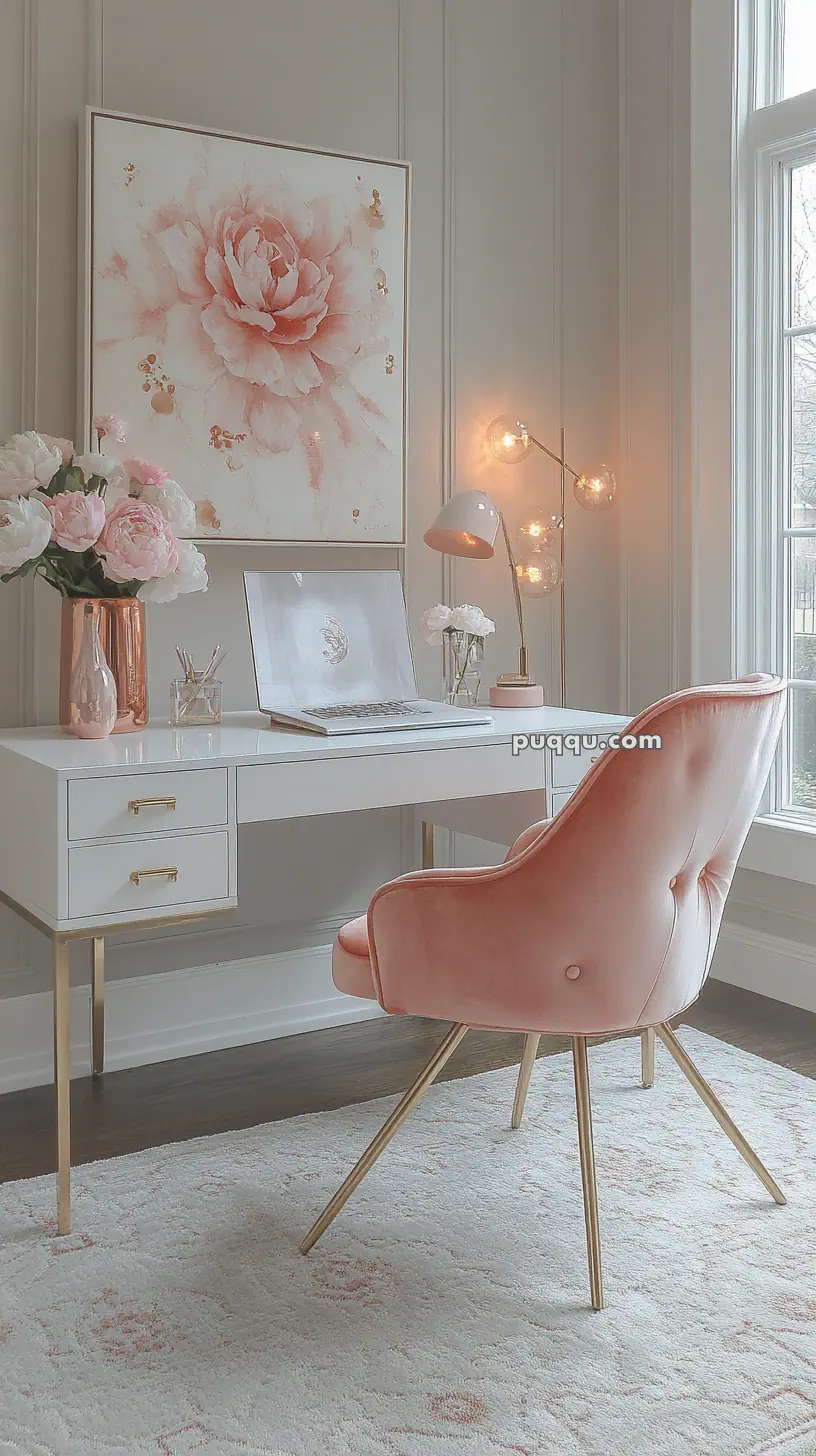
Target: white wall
[509, 114]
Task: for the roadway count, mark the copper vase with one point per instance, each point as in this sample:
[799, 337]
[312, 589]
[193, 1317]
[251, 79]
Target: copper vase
[123, 639]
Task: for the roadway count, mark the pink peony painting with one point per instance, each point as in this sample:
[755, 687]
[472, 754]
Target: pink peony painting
[247, 318]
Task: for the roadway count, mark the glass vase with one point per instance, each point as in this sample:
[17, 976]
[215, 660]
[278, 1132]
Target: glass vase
[464, 669]
[121, 622]
[93, 690]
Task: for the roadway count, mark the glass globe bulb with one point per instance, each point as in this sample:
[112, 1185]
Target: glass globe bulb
[538, 575]
[508, 439]
[596, 492]
[539, 530]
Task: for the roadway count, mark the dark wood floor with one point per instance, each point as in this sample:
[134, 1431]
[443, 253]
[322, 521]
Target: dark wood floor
[220, 1091]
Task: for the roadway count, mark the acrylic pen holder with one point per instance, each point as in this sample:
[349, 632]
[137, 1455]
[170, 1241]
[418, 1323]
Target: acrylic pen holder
[194, 703]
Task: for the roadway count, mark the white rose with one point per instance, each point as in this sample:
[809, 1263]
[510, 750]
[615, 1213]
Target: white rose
[174, 504]
[189, 576]
[472, 620]
[26, 464]
[25, 531]
[434, 622]
[95, 464]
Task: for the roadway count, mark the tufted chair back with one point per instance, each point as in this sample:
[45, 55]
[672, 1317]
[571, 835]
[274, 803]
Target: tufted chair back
[605, 918]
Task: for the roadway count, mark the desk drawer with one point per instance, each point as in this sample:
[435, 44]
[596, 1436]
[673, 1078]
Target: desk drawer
[146, 803]
[375, 781]
[100, 875]
[569, 768]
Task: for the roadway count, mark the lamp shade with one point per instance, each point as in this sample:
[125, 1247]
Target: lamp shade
[466, 526]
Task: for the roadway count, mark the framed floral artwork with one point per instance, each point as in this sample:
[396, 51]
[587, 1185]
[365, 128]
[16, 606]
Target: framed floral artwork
[246, 317]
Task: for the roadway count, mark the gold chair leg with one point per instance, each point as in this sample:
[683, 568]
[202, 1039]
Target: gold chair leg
[98, 1006]
[62, 1081]
[384, 1136]
[531, 1041]
[584, 1108]
[714, 1106]
[427, 845]
[647, 1056]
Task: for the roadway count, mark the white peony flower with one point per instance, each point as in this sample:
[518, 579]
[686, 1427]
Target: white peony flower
[472, 620]
[57, 442]
[25, 531]
[174, 504]
[27, 463]
[189, 576]
[96, 464]
[434, 622]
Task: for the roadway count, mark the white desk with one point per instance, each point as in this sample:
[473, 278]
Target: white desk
[143, 829]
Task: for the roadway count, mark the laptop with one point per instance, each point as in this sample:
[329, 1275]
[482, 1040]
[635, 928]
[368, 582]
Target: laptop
[333, 655]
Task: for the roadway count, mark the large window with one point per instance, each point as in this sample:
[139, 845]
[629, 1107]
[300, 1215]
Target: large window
[776, 335]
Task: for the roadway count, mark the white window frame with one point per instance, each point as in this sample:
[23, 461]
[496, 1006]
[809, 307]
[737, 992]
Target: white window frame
[770, 137]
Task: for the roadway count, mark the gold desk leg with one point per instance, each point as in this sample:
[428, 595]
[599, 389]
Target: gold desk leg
[584, 1107]
[531, 1041]
[98, 1005]
[715, 1107]
[427, 845]
[647, 1056]
[62, 1080]
[384, 1136]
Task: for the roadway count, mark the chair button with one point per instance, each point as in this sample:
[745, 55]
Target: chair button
[672, 882]
[572, 973]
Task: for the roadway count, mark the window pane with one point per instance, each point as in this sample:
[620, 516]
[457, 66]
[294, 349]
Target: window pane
[799, 55]
[803, 603]
[803, 759]
[803, 243]
[803, 431]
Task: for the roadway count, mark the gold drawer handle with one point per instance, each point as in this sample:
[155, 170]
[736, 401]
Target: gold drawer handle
[136, 804]
[169, 871]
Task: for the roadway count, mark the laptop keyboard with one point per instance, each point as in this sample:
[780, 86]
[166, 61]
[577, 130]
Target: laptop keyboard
[367, 710]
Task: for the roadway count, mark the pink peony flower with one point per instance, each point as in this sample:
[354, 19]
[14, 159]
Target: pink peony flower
[147, 474]
[137, 543]
[274, 302]
[77, 520]
[111, 425]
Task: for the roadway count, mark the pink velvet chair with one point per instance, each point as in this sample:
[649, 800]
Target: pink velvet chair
[601, 920]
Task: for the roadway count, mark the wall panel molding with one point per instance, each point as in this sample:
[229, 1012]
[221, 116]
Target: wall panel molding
[624, 452]
[95, 80]
[29, 351]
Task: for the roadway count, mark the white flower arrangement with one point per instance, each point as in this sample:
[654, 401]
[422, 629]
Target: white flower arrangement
[441, 619]
[465, 628]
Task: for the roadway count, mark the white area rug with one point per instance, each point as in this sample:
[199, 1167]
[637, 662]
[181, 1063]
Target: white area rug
[446, 1311]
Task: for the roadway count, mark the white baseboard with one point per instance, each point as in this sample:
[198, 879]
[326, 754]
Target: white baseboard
[156, 1018]
[785, 970]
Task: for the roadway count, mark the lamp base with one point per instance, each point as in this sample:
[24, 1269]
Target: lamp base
[519, 695]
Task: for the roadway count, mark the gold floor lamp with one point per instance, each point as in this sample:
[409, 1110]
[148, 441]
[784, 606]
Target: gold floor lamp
[468, 525]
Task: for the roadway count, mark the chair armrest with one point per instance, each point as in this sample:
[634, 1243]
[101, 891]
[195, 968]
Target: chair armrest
[439, 939]
[526, 838]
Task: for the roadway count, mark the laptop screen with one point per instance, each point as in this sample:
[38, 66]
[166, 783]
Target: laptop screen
[325, 637]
